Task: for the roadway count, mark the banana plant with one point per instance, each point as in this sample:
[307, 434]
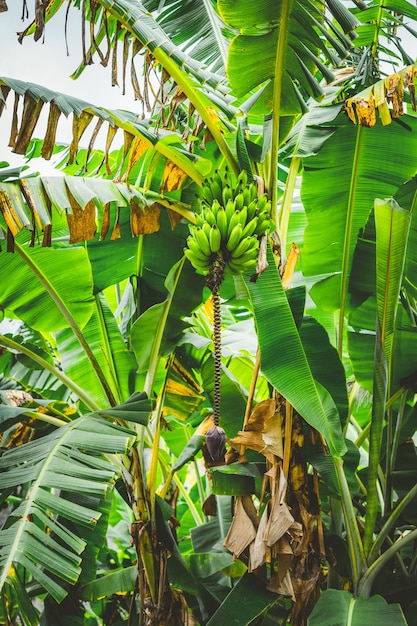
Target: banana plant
[204, 120]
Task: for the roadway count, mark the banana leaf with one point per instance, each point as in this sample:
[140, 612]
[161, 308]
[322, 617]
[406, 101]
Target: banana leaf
[284, 360]
[352, 611]
[348, 188]
[66, 459]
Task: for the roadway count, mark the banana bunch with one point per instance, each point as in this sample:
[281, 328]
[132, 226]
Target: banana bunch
[231, 221]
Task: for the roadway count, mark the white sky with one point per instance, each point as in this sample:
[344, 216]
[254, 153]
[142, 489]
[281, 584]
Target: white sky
[48, 65]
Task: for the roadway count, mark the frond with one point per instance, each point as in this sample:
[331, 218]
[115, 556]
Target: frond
[57, 471]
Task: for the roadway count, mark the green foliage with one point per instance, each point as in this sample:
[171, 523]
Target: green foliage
[113, 510]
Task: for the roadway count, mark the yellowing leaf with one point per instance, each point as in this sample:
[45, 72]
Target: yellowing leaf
[144, 221]
[173, 178]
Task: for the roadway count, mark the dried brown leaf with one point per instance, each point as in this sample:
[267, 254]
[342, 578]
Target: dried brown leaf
[144, 221]
[48, 143]
[262, 411]
[285, 588]
[258, 548]
[139, 148]
[105, 221]
[243, 530]
[79, 124]
[173, 177]
[81, 222]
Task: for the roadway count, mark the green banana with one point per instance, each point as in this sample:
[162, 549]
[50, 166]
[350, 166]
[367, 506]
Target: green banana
[215, 239]
[207, 193]
[244, 246]
[236, 268]
[196, 263]
[242, 179]
[199, 219]
[250, 227]
[227, 194]
[253, 191]
[234, 237]
[209, 216]
[216, 189]
[233, 221]
[262, 202]
[230, 208]
[196, 250]
[243, 216]
[239, 201]
[202, 240]
[206, 229]
[222, 223]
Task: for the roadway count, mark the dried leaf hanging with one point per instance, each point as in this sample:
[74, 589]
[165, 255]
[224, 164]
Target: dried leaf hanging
[362, 107]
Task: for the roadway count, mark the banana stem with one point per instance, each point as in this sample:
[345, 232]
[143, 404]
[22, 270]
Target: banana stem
[217, 322]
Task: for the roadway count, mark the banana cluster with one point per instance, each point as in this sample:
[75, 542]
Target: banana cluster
[231, 221]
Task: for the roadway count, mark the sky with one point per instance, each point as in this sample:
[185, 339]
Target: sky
[46, 62]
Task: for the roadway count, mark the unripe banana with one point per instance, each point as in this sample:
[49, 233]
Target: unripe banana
[216, 189]
[246, 196]
[233, 221]
[264, 224]
[215, 239]
[234, 237]
[222, 223]
[230, 209]
[239, 201]
[196, 263]
[215, 207]
[250, 227]
[217, 179]
[206, 229]
[202, 240]
[209, 216]
[243, 215]
[227, 194]
[237, 267]
[244, 246]
[262, 202]
[199, 219]
[249, 255]
[207, 193]
[195, 249]
[253, 190]
[242, 179]
[252, 206]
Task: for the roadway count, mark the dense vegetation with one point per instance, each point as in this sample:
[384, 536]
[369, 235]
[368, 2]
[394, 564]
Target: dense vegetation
[231, 440]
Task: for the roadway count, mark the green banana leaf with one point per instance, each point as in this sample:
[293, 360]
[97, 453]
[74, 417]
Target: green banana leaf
[106, 342]
[284, 360]
[277, 45]
[65, 459]
[342, 607]
[35, 283]
[347, 190]
[247, 600]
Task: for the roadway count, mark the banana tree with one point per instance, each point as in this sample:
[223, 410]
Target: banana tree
[202, 125]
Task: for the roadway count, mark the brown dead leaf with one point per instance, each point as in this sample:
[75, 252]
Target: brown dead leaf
[174, 218]
[138, 149]
[209, 505]
[263, 431]
[284, 558]
[81, 222]
[105, 221]
[144, 221]
[173, 177]
[244, 525]
[258, 548]
[262, 411]
[283, 588]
